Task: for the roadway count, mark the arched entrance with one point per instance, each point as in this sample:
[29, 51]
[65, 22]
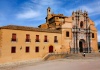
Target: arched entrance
[81, 45]
[50, 49]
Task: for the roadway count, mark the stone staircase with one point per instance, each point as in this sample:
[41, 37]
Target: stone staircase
[80, 56]
[52, 56]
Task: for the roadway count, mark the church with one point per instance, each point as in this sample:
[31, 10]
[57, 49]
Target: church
[59, 34]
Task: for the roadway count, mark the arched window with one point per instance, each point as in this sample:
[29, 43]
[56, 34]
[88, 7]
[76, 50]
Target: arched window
[67, 33]
[81, 24]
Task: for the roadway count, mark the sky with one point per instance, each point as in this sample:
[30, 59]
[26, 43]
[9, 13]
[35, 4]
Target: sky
[33, 12]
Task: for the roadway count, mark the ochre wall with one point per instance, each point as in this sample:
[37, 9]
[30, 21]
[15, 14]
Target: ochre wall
[62, 46]
[94, 43]
[0, 42]
[21, 36]
[66, 40]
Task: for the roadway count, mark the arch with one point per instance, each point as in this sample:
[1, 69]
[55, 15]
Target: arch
[81, 24]
[51, 49]
[81, 45]
[49, 10]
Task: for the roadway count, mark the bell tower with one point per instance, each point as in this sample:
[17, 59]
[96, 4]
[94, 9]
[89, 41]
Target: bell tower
[48, 10]
[48, 13]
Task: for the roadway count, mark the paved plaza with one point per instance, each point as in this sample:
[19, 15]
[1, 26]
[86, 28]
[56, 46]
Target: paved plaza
[61, 64]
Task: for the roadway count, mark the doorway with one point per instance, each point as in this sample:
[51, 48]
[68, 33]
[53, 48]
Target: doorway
[50, 49]
[81, 45]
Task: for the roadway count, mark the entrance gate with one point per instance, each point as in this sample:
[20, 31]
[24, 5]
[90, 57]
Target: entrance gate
[50, 49]
[81, 45]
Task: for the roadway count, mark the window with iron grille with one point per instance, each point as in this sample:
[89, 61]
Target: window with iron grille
[27, 49]
[67, 34]
[36, 49]
[13, 37]
[27, 38]
[13, 49]
[45, 38]
[55, 39]
[37, 38]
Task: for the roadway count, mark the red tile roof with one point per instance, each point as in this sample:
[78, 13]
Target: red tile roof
[25, 28]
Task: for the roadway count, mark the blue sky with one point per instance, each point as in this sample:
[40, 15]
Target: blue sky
[33, 12]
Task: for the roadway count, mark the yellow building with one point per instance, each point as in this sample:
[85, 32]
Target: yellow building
[60, 34]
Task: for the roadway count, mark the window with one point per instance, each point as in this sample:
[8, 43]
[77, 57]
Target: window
[27, 38]
[92, 35]
[13, 37]
[37, 49]
[27, 49]
[37, 38]
[67, 34]
[13, 49]
[45, 39]
[55, 24]
[49, 10]
[81, 24]
[57, 17]
[55, 39]
[72, 18]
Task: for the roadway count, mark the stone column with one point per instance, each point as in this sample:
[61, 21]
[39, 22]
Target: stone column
[74, 42]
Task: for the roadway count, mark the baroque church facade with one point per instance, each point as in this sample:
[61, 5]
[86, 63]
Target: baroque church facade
[81, 27]
[59, 34]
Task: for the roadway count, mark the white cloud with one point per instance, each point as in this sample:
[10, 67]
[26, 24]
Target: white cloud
[97, 23]
[92, 8]
[86, 8]
[28, 14]
[36, 9]
[98, 36]
[46, 2]
[83, 8]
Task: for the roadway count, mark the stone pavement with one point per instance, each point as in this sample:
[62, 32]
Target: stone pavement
[65, 64]
[74, 62]
[60, 64]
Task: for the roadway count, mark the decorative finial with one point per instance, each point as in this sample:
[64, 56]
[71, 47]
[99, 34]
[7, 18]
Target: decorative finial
[73, 12]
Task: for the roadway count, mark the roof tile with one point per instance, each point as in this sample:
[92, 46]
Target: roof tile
[15, 27]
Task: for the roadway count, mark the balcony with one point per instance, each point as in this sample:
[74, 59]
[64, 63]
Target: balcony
[36, 40]
[27, 40]
[13, 40]
[75, 30]
[45, 40]
[82, 30]
[55, 41]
